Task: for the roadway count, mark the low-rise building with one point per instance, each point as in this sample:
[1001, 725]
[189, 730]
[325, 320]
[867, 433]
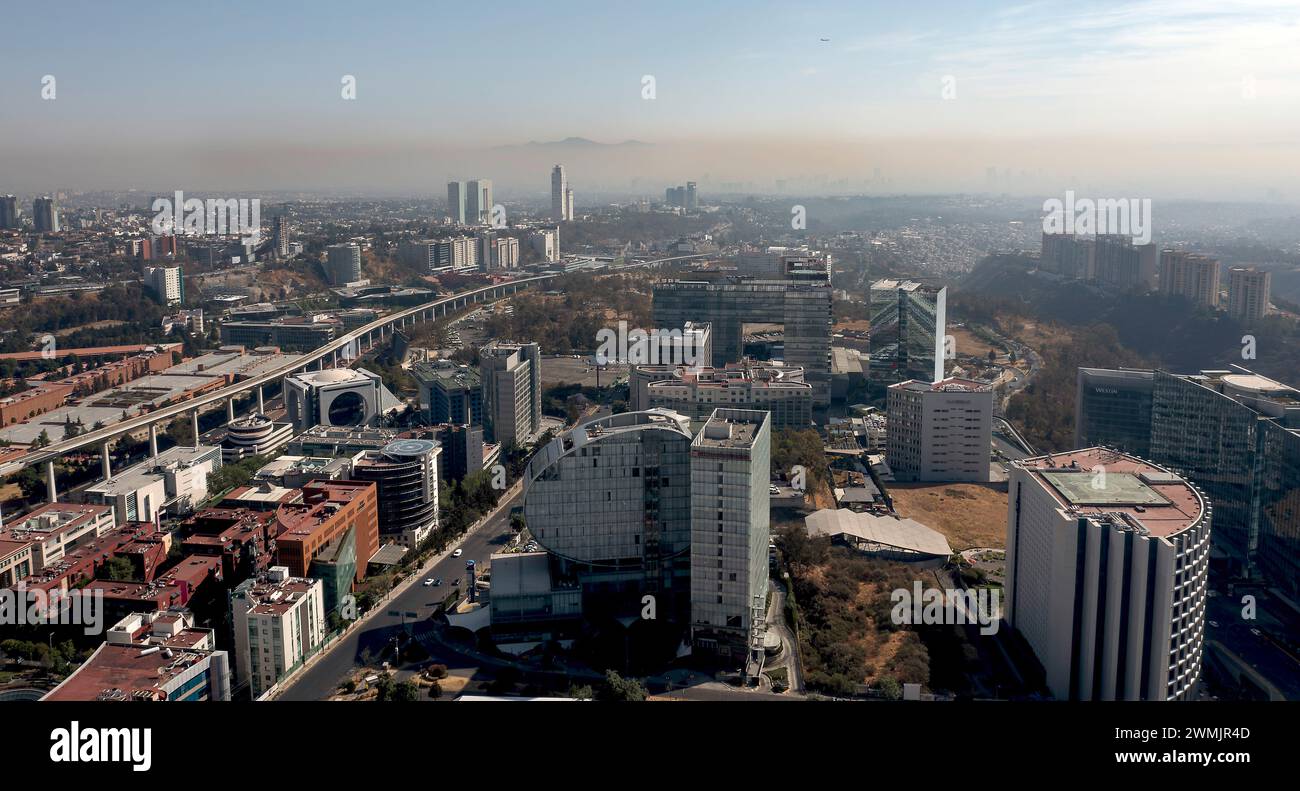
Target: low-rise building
[151, 657]
[175, 481]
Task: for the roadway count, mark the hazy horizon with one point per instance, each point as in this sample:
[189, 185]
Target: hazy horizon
[1156, 99]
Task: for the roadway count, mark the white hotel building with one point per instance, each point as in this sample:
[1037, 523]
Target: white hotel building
[1107, 557]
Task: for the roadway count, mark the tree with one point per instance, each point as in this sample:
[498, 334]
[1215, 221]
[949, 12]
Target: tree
[617, 688]
[891, 688]
[42, 439]
[405, 692]
[581, 693]
[118, 568]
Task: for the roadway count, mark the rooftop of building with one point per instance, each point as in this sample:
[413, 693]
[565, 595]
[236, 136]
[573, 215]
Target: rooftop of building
[334, 376]
[132, 478]
[129, 672]
[275, 593]
[952, 384]
[889, 532]
[446, 372]
[1103, 484]
[730, 428]
[52, 518]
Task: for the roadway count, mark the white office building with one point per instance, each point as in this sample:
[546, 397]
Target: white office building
[1107, 558]
[167, 282]
[730, 531]
[279, 621]
[940, 431]
[175, 481]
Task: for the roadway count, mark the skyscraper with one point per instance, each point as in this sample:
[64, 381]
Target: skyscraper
[1234, 434]
[478, 202]
[45, 215]
[280, 237]
[1248, 290]
[561, 196]
[512, 391]
[802, 307]
[908, 324]
[8, 212]
[692, 200]
[167, 282]
[730, 523]
[1190, 275]
[456, 201]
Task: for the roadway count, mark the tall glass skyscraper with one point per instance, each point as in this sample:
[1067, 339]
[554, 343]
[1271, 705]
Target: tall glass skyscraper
[1233, 433]
[908, 324]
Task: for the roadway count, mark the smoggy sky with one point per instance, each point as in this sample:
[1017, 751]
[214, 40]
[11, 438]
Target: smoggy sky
[1193, 99]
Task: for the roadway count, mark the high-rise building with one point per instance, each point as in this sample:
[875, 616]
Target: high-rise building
[496, 252]
[1107, 560]
[280, 237]
[1190, 275]
[168, 282]
[279, 621]
[730, 521]
[45, 215]
[1234, 434]
[406, 474]
[8, 212]
[692, 199]
[546, 243]
[1113, 408]
[512, 392]
[1066, 255]
[449, 392]
[611, 502]
[908, 325]
[343, 264]
[456, 202]
[940, 431]
[1248, 291]
[478, 202]
[1118, 263]
[802, 307]
[561, 196]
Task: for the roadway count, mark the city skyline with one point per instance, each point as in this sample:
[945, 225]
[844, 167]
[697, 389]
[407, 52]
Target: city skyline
[1121, 96]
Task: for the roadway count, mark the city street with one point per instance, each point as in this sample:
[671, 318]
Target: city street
[322, 678]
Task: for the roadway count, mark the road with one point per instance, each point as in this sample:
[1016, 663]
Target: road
[322, 679]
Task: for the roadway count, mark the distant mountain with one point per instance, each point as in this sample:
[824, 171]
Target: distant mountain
[574, 143]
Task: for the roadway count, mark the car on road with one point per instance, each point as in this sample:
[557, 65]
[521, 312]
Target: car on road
[437, 581]
[1256, 632]
[456, 581]
[428, 582]
[458, 553]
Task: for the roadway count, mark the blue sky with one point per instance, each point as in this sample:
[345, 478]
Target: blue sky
[246, 80]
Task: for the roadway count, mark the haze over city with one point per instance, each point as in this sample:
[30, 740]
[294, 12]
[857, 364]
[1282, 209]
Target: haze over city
[849, 97]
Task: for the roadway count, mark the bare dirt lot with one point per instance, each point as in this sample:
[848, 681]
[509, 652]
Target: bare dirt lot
[968, 514]
[566, 370]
